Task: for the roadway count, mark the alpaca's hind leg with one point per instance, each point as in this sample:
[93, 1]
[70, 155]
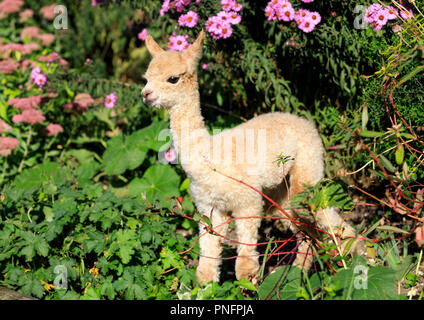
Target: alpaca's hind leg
[247, 263]
[211, 246]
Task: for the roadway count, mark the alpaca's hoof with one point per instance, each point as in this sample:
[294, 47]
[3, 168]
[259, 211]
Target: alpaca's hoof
[206, 274]
[247, 268]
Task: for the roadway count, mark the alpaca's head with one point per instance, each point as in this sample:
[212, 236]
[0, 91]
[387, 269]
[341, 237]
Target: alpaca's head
[171, 76]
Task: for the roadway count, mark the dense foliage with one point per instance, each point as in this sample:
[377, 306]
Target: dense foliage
[92, 203]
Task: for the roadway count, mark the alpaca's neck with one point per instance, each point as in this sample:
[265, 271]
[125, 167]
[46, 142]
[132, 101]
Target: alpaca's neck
[187, 125]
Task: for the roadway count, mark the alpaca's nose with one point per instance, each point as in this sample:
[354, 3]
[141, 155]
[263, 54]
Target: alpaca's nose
[147, 94]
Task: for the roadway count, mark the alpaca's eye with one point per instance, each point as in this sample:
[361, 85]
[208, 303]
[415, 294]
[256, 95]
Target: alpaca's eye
[173, 80]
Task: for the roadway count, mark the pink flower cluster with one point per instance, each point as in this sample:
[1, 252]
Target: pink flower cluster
[307, 20]
[7, 145]
[53, 129]
[25, 103]
[82, 102]
[34, 32]
[10, 6]
[190, 19]
[178, 42]
[220, 25]
[283, 10]
[378, 16]
[8, 66]
[178, 5]
[31, 116]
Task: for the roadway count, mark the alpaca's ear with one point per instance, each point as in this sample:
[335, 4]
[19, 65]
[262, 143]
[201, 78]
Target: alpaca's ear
[152, 46]
[194, 52]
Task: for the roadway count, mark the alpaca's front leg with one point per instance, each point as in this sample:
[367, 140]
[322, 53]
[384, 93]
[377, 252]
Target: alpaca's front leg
[211, 246]
[247, 263]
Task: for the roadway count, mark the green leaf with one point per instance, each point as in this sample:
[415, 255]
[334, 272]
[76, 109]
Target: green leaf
[400, 154]
[246, 284]
[122, 154]
[285, 280]
[371, 134]
[360, 282]
[153, 137]
[185, 184]
[170, 259]
[158, 183]
[387, 164]
[91, 294]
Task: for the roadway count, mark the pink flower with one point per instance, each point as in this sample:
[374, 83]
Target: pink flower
[270, 13]
[371, 12]
[53, 129]
[110, 100]
[224, 16]
[406, 14]
[192, 19]
[237, 7]
[165, 8]
[227, 5]
[204, 66]
[234, 17]
[142, 35]
[315, 17]
[40, 80]
[226, 30]
[182, 20]
[287, 13]
[7, 145]
[170, 155]
[392, 13]
[381, 17]
[31, 116]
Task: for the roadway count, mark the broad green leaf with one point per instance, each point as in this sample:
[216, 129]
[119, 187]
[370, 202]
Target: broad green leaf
[285, 280]
[154, 136]
[360, 282]
[158, 183]
[122, 154]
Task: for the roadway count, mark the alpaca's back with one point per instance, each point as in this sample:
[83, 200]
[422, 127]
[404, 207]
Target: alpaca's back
[251, 150]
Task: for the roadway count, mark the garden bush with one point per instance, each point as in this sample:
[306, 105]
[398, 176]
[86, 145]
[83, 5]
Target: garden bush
[92, 202]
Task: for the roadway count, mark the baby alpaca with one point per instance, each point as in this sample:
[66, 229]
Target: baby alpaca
[247, 153]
